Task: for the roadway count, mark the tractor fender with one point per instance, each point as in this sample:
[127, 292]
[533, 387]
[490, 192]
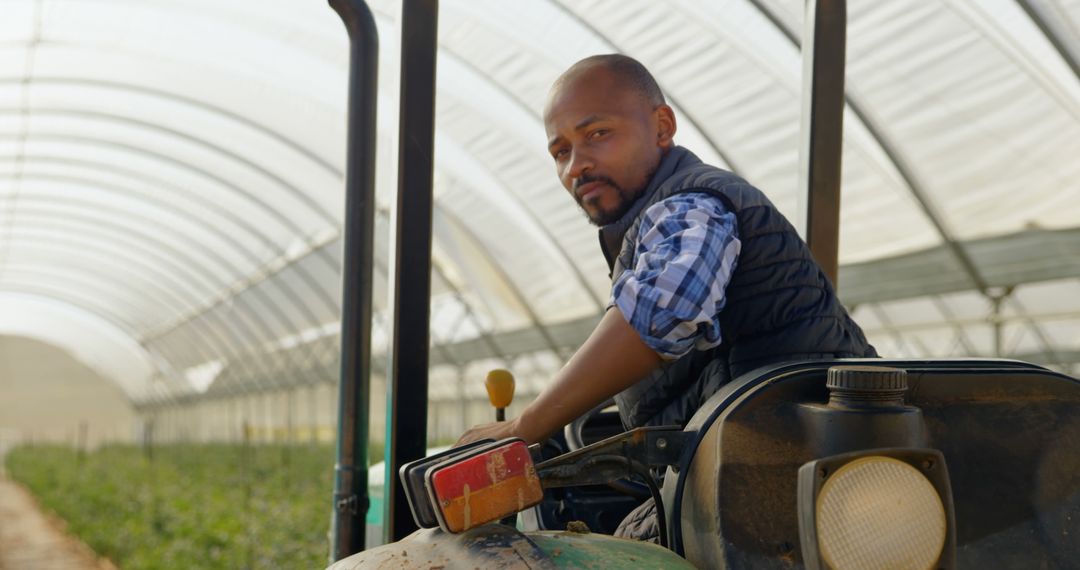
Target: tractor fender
[501, 546]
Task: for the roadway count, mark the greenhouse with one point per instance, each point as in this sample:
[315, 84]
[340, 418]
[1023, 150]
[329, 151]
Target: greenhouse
[172, 218]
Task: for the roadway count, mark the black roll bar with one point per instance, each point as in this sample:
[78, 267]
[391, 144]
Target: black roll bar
[407, 381]
[350, 471]
[823, 49]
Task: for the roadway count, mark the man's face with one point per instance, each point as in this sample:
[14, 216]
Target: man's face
[607, 139]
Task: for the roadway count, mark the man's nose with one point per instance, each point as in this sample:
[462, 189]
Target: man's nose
[580, 163]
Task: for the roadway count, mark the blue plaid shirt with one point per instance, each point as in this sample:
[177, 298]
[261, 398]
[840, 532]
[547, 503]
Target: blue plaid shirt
[672, 294]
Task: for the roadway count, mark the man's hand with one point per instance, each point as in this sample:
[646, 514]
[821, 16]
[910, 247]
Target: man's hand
[496, 431]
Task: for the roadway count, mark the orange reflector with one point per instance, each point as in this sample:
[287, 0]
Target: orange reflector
[484, 486]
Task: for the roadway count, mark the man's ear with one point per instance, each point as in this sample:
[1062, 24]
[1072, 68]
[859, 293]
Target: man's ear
[665, 127]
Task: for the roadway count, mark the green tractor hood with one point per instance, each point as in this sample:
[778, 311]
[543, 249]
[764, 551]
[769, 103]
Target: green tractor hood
[501, 546]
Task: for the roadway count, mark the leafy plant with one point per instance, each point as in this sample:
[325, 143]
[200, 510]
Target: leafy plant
[190, 506]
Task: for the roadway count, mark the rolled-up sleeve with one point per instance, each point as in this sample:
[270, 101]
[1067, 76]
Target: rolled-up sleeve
[687, 248]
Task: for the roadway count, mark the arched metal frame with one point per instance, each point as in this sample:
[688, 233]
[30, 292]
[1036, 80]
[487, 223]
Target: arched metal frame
[182, 101]
[1048, 24]
[133, 231]
[441, 347]
[82, 303]
[320, 292]
[884, 144]
[233, 221]
[90, 227]
[445, 51]
[91, 281]
[292, 190]
[911, 180]
[515, 291]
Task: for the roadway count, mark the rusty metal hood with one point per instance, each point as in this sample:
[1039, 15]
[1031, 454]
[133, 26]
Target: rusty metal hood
[501, 546]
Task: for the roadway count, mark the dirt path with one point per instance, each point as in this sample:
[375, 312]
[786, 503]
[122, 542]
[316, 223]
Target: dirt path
[32, 540]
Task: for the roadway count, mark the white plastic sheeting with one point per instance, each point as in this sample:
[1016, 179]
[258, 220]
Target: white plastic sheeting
[175, 168]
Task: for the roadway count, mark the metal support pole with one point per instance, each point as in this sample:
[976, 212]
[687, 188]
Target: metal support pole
[997, 301]
[350, 482]
[999, 328]
[823, 128]
[407, 381]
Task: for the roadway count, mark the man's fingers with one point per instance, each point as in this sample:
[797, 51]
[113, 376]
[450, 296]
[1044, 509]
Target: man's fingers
[496, 431]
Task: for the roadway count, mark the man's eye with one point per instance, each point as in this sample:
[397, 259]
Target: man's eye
[559, 153]
[598, 133]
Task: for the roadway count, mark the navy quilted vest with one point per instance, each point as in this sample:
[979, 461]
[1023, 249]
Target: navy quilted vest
[780, 306]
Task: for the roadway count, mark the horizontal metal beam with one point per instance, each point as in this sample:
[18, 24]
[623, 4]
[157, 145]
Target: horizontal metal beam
[1004, 261]
[1007, 261]
[1026, 257]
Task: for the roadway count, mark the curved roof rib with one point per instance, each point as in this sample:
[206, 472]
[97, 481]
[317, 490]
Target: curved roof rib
[1052, 27]
[895, 156]
[214, 344]
[233, 220]
[128, 88]
[180, 100]
[211, 147]
[716, 147]
[920, 195]
[187, 194]
[447, 52]
[549, 340]
[265, 207]
[259, 323]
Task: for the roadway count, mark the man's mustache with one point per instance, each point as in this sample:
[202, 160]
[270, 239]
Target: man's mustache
[587, 178]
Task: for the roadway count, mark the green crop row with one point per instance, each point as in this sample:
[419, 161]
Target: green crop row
[189, 506]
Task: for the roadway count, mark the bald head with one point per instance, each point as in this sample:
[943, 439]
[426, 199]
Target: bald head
[628, 72]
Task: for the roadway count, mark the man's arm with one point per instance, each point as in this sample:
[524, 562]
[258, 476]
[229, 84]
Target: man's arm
[612, 359]
[662, 308]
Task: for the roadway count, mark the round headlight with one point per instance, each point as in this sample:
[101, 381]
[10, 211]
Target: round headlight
[879, 512]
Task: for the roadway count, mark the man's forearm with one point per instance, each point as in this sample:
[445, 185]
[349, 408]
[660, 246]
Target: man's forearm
[612, 359]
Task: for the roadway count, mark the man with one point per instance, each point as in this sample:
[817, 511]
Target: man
[709, 280]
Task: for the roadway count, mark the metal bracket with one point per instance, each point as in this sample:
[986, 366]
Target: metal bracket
[351, 504]
[609, 460]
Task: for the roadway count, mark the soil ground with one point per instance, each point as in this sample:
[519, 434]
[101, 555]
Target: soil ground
[34, 540]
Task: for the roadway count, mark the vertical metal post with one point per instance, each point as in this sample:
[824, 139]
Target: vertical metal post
[822, 132]
[350, 481]
[407, 382]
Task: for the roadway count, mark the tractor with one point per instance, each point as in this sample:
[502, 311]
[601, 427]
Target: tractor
[840, 464]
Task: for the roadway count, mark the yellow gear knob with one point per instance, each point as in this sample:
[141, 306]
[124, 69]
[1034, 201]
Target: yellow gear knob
[500, 387]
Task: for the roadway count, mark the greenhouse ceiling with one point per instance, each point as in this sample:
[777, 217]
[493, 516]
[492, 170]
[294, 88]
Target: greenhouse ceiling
[171, 175]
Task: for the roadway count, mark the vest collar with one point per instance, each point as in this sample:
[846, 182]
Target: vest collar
[613, 234]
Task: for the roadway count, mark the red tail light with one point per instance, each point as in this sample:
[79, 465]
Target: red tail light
[484, 485]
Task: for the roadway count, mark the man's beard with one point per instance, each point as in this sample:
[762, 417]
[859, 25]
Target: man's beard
[607, 216]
